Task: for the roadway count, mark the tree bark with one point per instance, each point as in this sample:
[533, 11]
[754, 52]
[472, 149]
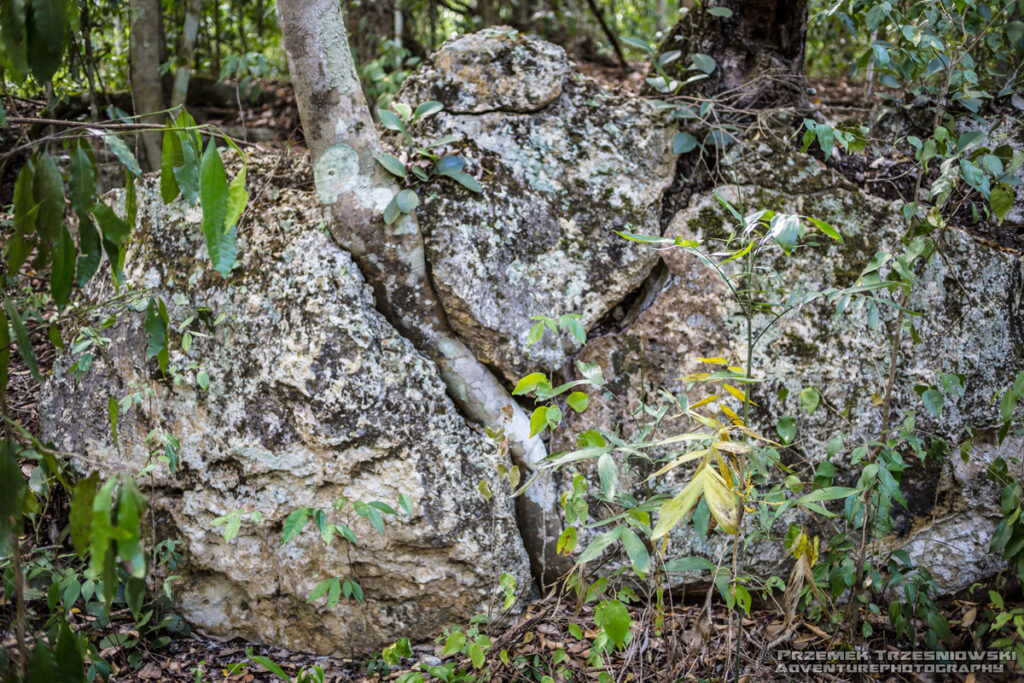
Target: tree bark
[758, 50]
[343, 142]
[189, 32]
[144, 54]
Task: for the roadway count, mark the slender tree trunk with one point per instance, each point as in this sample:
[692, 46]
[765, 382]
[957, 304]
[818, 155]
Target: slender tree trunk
[189, 31]
[343, 142]
[147, 93]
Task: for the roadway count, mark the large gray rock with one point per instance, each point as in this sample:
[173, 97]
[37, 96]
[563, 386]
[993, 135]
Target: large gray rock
[312, 396]
[973, 325]
[557, 183]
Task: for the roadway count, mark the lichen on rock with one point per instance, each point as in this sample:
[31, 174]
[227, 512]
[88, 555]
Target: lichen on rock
[312, 396]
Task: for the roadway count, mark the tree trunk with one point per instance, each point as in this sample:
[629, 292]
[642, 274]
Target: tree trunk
[343, 142]
[147, 93]
[185, 51]
[758, 51]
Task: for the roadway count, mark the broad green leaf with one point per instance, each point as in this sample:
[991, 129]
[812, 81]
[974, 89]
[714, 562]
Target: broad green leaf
[786, 429]
[62, 272]
[213, 195]
[237, 199]
[407, 201]
[391, 121]
[427, 109]
[638, 43]
[1000, 200]
[171, 156]
[612, 617]
[538, 420]
[122, 152]
[70, 667]
[599, 543]
[13, 34]
[391, 211]
[467, 181]
[269, 665]
[449, 164]
[608, 474]
[578, 401]
[82, 182]
[47, 30]
[723, 12]
[454, 644]
[683, 143]
[529, 383]
[689, 564]
[24, 343]
[703, 62]
[42, 665]
[321, 589]
[115, 230]
[187, 174]
[826, 228]
[131, 506]
[933, 401]
[809, 399]
[636, 551]
[392, 165]
[26, 212]
[156, 326]
[294, 524]
[48, 191]
[829, 493]
[591, 371]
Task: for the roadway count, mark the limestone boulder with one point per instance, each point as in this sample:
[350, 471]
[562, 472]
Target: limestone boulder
[313, 399]
[560, 175]
[972, 325]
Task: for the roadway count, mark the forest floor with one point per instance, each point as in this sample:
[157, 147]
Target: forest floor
[684, 646]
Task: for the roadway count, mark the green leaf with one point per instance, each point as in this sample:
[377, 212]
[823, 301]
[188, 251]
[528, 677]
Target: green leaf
[933, 401]
[612, 617]
[213, 195]
[131, 506]
[121, 151]
[321, 589]
[82, 181]
[467, 181]
[689, 564]
[608, 474]
[70, 667]
[269, 665]
[454, 644]
[703, 62]
[13, 34]
[48, 190]
[427, 109]
[826, 228]
[391, 121]
[156, 327]
[171, 155]
[828, 493]
[405, 502]
[62, 273]
[115, 230]
[809, 399]
[683, 143]
[21, 335]
[47, 30]
[449, 164]
[529, 383]
[599, 543]
[294, 524]
[723, 12]
[636, 551]
[578, 401]
[392, 165]
[407, 201]
[786, 429]
[591, 371]
[638, 43]
[237, 199]
[13, 483]
[391, 211]
[538, 420]
[187, 174]
[42, 666]
[1000, 200]
[26, 211]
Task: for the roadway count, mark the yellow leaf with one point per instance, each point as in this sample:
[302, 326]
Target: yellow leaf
[876, 399]
[673, 511]
[720, 502]
[731, 447]
[714, 361]
[686, 457]
[737, 370]
[706, 400]
[750, 432]
[735, 392]
[730, 414]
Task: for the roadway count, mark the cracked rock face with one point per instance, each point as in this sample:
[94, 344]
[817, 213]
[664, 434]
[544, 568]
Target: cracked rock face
[558, 182]
[312, 396]
[973, 325]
